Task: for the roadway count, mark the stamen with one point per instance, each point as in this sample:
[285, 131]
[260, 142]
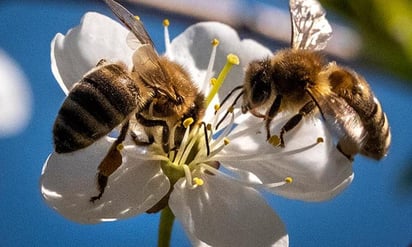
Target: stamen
[274, 140]
[287, 180]
[226, 141]
[320, 140]
[213, 81]
[166, 24]
[230, 61]
[217, 107]
[137, 17]
[198, 181]
[209, 70]
[120, 147]
[183, 144]
[187, 122]
[188, 175]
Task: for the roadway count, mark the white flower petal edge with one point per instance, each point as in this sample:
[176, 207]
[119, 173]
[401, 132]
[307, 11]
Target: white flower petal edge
[223, 212]
[68, 182]
[319, 171]
[97, 37]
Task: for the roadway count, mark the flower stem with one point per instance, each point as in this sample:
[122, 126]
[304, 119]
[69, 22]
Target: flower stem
[165, 227]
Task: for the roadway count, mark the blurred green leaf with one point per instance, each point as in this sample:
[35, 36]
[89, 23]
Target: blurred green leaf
[386, 29]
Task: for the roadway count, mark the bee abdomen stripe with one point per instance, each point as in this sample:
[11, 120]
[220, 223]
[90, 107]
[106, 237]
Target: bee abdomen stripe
[74, 115]
[95, 104]
[114, 88]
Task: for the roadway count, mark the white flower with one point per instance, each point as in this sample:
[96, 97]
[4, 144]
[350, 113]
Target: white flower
[215, 195]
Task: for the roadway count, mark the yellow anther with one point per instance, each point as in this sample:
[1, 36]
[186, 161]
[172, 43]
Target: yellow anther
[217, 107]
[187, 122]
[231, 109]
[320, 140]
[166, 22]
[215, 42]
[288, 180]
[274, 140]
[226, 141]
[209, 126]
[198, 181]
[233, 59]
[137, 17]
[120, 147]
[213, 81]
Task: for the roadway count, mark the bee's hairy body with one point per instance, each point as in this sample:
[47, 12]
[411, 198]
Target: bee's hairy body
[98, 103]
[297, 81]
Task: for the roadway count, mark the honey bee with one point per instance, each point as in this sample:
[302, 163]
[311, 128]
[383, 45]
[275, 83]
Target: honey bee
[157, 94]
[300, 80]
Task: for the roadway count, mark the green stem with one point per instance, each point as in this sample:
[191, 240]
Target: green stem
[165, 227]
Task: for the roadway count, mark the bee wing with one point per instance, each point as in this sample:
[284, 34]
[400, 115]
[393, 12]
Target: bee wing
[341, 119]
[131, 22]
[310, 28]
[147, 65]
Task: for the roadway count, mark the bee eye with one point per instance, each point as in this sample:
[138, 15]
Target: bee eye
[179, 100]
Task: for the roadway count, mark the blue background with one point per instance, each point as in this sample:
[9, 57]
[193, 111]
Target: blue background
[376, 210]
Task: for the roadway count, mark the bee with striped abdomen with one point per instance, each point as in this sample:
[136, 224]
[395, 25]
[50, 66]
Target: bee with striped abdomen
[157, 93]
[301, 81]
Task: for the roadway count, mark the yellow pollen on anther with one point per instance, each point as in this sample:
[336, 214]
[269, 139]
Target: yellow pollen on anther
[233, 59]
[226, 141]
[320, 140]
[120, 147]
[198, 181]
[187, 122]
[231, 109]
[137, 17]
[166, 22]
[217, 107]
[215, 42]
[209, 126]
[288, 180]
[213, 81]
[274, 140]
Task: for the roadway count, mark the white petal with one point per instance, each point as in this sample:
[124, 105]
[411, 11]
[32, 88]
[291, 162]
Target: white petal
[222, 212]
[68, 182]
[192, 49]
[319, 172]
[15, 97]
[97, 37]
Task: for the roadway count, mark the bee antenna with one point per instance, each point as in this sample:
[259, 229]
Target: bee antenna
[233, 104]
[230, 94]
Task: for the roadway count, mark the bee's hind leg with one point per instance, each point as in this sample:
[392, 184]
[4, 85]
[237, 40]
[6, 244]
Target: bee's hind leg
[110, 163]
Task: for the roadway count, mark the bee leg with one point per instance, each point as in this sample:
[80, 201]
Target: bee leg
[271, 113]
[110, 163]
[294, 121]
[153, 123]
[140, 142]
[101, 62]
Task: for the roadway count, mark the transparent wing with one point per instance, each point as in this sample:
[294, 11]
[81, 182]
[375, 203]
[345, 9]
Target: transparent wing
[310, 28]
[342, 120]
[131, 22]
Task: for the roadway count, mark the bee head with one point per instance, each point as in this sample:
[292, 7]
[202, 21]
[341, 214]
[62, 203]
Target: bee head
[257, 85]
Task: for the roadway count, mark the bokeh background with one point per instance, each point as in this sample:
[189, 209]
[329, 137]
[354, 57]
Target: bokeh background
[376, 210]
